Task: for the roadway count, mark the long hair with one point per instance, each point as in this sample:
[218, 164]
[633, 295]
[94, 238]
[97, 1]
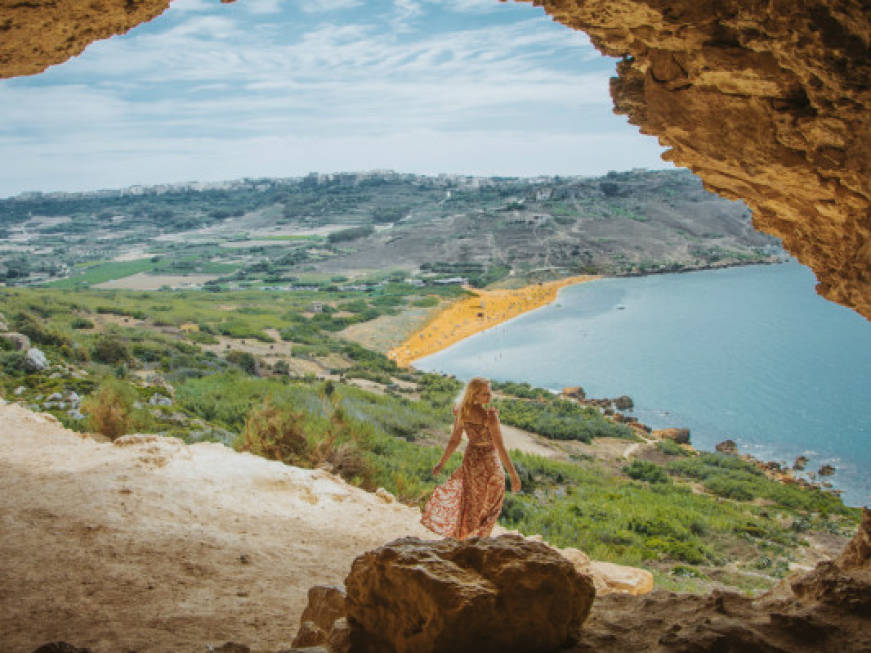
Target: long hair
[464, 405]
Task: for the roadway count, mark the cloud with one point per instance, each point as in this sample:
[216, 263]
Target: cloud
[201, 86]
[321, 6]
[263, 7]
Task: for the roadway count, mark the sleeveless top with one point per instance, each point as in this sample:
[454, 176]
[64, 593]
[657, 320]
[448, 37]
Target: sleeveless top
[478, 433]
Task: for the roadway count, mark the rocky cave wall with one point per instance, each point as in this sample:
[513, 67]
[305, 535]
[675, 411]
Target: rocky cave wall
[768, 101]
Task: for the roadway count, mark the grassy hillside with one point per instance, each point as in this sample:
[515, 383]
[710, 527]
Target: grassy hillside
[320, 228]
[260, 371]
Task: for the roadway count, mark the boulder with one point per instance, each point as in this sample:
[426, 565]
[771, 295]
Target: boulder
[727, 447]
[339, 640]
[826, 470]
[326, 603]
[482, 594]
[158, 399]
[681, 436]
[20, 341]
[20, 390]
[610, 578]
[624, 402]
[35, 360]
[800, 463]
[385, 496]
[574, 392]
[4, 325]
[309, 635]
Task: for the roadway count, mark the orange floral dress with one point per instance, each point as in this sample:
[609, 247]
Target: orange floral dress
[469, 502]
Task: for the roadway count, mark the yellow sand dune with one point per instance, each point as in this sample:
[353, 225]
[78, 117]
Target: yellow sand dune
[468, 316]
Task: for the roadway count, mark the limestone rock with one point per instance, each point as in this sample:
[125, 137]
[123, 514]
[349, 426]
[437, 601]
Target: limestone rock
[800, 463]
[4, 325]
[37, 35]
[765, 101]
[574, 392]
[60, 647]
[339, 640]
[35, 360]
[681, 436]
[326, 603]
[158, 399]
[608, 577]
[728, 447]
[494, 594]
[309, 635]
[20, 341]
[385, 496]
[624, 402]
[75, 413]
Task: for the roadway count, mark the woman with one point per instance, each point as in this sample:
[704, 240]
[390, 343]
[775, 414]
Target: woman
[469, 503]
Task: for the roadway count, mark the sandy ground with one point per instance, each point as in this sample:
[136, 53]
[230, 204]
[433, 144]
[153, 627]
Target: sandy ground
[158, 546]
[151, 545]
[468, 316]
[145, 281]
[387, 332]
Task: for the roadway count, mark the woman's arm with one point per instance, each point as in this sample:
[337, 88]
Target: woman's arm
[496, 433]
[453, 443]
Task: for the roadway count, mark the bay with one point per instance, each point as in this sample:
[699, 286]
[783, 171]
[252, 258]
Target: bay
[749, 353]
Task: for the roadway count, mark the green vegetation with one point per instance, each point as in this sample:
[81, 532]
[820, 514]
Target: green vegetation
[102, 272]
[119, 350]
[560, 419]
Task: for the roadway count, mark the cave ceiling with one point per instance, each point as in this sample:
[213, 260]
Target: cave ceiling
[768, 101]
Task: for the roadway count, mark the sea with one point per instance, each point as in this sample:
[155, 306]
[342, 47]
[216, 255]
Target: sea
[751, 354]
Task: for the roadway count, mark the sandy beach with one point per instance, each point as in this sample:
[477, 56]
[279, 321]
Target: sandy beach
[468, 316]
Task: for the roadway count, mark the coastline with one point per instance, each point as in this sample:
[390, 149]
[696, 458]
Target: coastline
[471, 315]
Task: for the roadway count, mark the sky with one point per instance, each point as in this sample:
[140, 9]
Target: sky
[280, 88]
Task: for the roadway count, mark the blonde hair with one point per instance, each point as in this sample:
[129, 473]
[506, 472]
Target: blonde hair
[466, 399]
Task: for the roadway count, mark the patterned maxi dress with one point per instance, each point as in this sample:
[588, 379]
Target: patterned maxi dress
[469, 502]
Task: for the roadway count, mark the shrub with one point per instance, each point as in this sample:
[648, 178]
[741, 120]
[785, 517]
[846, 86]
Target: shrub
[110, 408]
[33, 328]
[353, 233]
[277, 433]
[13, 363]
[110, 350]
[559, 420]
[670, 448]
[244, 360]
[642, 470]
[81, 323]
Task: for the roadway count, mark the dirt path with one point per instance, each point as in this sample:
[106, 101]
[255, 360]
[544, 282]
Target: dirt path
[527, 442]
[158, 546]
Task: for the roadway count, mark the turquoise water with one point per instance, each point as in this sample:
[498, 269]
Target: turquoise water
[751, 354]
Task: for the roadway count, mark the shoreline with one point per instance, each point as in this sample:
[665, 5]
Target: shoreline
[471, 315]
